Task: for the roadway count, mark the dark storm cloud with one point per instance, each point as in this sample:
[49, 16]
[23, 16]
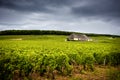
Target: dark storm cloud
[78, 15]
[108, 9]
[32, 5]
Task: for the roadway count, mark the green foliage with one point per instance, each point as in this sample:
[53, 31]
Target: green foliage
[49, 32]
[45, 54]
[113, 58]
[34, 32]
[75, 58]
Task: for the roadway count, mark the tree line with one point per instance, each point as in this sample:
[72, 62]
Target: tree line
[34, 32]
[48, 32]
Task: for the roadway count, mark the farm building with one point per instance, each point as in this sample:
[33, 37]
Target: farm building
[78, 37]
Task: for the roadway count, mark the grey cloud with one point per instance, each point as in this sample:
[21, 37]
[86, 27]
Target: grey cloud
[33, 5]
[106, 9]
[75, 15]
[8, 16]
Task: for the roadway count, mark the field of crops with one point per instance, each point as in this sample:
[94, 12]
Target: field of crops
[23, 56]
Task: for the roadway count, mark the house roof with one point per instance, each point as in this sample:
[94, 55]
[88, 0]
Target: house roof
[82, 36]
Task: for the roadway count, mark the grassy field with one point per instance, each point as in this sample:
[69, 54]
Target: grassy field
[48, 57]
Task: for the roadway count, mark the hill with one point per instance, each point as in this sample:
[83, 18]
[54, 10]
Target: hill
[48, 32]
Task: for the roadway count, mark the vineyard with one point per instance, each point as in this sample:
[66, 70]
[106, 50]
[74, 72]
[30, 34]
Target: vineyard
[23, 56]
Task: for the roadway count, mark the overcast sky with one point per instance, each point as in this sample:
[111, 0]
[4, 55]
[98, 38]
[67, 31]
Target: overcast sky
[89, 16]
